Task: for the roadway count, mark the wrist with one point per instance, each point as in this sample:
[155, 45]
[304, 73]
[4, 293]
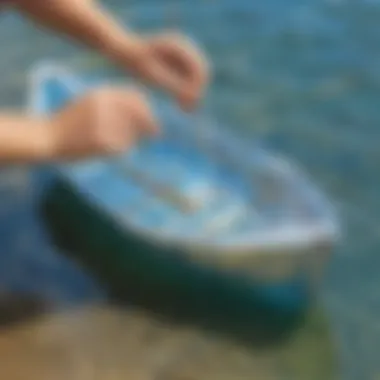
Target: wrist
[44, 146]
[25, 139]
[127, 50]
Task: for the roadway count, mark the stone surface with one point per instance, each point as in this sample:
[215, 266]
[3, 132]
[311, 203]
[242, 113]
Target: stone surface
[112, 343]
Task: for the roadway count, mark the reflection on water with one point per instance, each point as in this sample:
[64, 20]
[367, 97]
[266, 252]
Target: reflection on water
[302, 77]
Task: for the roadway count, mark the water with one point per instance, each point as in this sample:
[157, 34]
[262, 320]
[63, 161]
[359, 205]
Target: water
[302, 76]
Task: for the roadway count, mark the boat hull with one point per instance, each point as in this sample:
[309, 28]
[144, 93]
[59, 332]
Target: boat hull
[266, 278]
[246, 290]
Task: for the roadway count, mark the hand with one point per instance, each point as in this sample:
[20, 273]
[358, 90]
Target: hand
[103, 122]
[169, 61]
[175, 64]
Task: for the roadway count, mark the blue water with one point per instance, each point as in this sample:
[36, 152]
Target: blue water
[304, 77]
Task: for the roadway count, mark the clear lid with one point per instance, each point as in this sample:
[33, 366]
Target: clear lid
[199, 184]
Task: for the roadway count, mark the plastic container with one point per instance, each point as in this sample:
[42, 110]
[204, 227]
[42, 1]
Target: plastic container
[201, 214]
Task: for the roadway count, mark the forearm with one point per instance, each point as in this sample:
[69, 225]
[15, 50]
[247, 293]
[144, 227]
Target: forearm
[23, 139]
[86, 22]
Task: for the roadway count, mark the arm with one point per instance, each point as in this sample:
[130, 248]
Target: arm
[24, 139]
[76, 132]
[170, 62]
[86, 22]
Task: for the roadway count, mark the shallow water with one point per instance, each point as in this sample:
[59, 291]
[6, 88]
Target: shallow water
[302, 76]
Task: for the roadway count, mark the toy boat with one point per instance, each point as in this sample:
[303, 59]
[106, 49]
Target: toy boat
[195, 208]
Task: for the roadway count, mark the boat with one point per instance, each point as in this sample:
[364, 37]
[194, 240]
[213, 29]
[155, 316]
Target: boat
[198, 211]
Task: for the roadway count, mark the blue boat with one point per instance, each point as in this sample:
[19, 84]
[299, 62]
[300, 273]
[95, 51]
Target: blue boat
[197, 208]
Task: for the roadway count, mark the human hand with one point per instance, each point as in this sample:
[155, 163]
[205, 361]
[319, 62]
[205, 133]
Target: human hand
[174, 63]
[169, 61]
[105, 121]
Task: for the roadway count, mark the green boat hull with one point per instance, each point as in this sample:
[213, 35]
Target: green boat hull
[135, 270]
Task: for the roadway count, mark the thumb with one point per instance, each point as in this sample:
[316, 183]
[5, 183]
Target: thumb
[162, 75]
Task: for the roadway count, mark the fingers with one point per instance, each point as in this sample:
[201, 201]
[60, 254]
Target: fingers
[189, 58]
[104, 121]
[158, 73]
[179, 67]
[136, 105]
[114, 129]
[126, 108]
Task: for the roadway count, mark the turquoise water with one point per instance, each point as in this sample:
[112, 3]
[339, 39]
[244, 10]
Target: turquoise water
[302, 76]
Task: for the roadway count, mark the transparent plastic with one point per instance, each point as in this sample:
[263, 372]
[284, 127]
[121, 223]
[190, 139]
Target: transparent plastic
[199, 187]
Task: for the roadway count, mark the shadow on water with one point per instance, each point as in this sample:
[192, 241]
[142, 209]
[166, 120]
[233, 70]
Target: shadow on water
[201, 298]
